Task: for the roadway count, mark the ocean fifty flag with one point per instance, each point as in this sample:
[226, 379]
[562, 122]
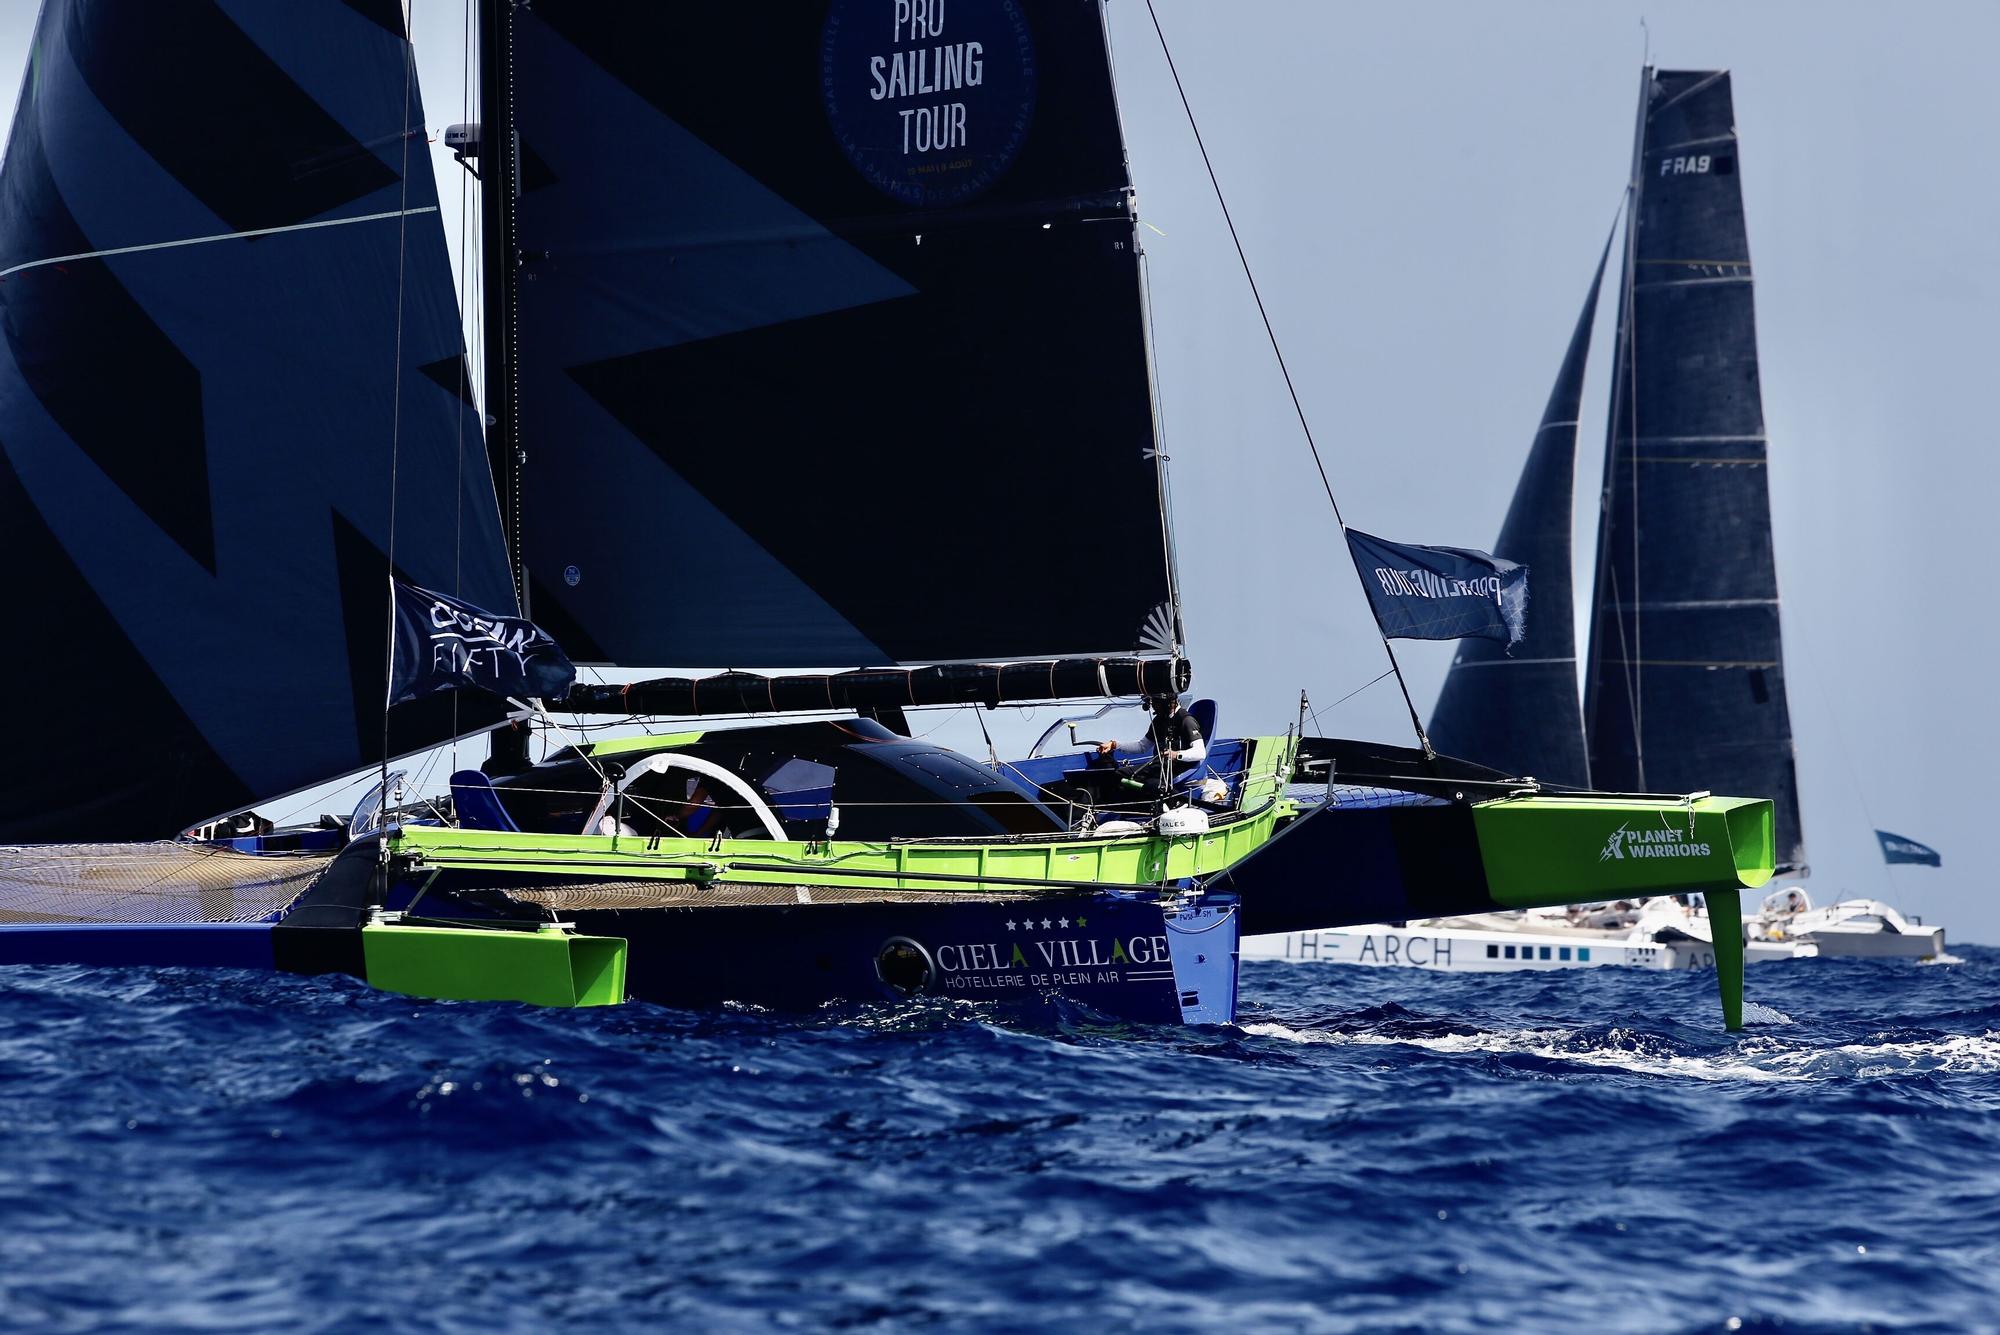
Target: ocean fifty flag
[443, 643]
[1895, 848]
[1440, 593]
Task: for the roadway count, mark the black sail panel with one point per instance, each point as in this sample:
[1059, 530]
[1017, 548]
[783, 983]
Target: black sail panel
[203, 231]
[829, 339]
[1685, 687]
[1514, 708]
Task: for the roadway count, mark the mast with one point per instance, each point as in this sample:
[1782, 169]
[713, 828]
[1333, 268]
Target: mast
[1621, 373]
[1172, 637]
[498, 168]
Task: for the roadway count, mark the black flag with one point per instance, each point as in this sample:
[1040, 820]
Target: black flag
[1440, 593]
[1896, 848]
[443, 643]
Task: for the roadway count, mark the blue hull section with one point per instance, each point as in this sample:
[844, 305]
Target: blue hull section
[1113, 956]
[216, 945]
[1342, 866]
[1118, 957]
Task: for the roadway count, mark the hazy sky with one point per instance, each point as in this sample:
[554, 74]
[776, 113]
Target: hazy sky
[1423, 189]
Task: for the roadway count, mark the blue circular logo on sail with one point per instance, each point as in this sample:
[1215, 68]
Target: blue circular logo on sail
[930, 99]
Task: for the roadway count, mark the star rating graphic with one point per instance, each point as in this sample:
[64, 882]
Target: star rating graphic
[1028, 924]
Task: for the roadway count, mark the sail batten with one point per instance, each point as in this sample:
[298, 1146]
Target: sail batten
[1685, 681]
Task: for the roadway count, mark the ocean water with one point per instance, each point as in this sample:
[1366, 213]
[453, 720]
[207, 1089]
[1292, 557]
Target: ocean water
[1378, 1150]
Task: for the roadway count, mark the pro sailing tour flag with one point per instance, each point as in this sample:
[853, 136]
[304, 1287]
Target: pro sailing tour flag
[1895, 848]
[1440, 593]
[443, 643]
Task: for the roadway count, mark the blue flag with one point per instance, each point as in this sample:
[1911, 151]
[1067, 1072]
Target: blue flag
[1895, 848]
[1440, 593]
[443, 643]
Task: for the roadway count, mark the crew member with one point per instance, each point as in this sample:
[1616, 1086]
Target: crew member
[1175, 741]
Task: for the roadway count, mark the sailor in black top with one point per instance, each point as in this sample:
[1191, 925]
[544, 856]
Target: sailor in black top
[1174, 740]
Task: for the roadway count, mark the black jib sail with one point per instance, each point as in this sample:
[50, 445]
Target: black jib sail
[1515, 709]
[204, 232]
[1685, 687]
[824, 343]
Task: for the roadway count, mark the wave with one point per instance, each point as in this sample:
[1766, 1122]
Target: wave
[1644, 1053]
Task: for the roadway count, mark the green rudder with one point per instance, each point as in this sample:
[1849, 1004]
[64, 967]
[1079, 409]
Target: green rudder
[1725, 925]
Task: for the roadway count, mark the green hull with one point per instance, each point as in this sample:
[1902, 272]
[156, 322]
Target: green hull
[1544, 851]
[1716, 847]
[1519, 851]
[973, 865]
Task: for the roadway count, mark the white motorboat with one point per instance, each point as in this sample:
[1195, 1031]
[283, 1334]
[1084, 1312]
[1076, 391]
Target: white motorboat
[1850, 929]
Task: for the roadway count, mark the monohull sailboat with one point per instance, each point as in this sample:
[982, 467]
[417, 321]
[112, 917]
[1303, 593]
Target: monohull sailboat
[1684, 680]
[740, 366]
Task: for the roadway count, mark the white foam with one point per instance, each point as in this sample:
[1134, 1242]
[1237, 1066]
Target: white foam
[1551, 1044]
[1756, 1058]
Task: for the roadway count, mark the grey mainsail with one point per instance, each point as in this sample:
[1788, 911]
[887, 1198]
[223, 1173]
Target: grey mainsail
[1685, 684]
[1515, 709]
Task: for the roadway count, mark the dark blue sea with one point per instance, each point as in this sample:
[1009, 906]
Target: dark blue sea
[1378, 1150]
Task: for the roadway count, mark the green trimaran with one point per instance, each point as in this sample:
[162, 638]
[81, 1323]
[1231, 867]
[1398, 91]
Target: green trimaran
[750, 366]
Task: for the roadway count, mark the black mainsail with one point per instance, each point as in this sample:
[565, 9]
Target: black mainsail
[818, 333]
[1514, 708]
[1685, 683]
[224, 309]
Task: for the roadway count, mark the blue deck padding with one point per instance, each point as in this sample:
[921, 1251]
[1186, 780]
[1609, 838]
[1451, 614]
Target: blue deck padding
[214, 945]
[478, 806]
[1368, 797]
[1203, 714]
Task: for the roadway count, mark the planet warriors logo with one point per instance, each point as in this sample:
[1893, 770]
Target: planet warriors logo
[930, 99]
[1664, 842]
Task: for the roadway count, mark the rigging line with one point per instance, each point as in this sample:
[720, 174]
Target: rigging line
[1625, 656]
[1163, 480]
[396, 409]
[1631, 368]
[250, 235]
[992, 751]
[549, 718]
[1244, 260]
[1328, 709]
[1272, 334]
[464, 393]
